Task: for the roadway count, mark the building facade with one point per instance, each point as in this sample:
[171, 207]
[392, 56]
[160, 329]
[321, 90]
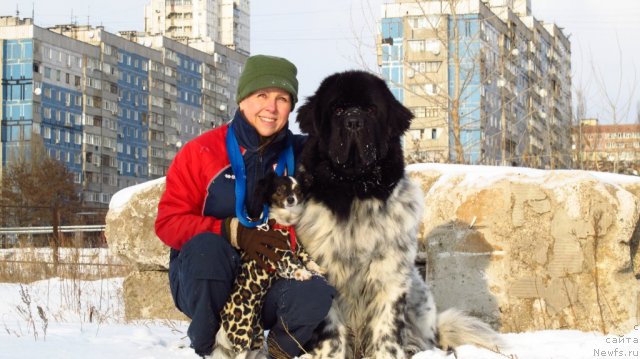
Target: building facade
[114, 109]
[608, 148]
[225, 22]
[487, 82]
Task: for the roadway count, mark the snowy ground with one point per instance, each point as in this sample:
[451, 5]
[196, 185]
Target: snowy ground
[85, 319]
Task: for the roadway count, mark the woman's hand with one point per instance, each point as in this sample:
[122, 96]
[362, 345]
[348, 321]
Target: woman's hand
[257, 244]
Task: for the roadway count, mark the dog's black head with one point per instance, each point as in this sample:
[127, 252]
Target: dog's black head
[354, 115]
[355, 125]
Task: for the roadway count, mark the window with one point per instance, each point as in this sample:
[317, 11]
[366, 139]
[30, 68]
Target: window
[418, 112]
[418, 22]
[433, 46]
[416, 45]
[467, 28]
[431, 89]
[426, 66]
[432, 112]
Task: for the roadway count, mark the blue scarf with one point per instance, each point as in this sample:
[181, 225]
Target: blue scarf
[237, 165]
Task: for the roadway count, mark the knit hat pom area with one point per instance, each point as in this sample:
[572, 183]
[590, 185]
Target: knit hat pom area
[262, 71]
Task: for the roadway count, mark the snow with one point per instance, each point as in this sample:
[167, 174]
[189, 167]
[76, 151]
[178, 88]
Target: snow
[484, 175]
[121, 197]
[85, 319]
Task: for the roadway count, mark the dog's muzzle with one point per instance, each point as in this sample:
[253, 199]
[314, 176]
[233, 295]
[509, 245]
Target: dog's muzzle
[354, 119]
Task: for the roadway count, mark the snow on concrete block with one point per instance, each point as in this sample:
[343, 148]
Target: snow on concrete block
[558, 246]
[130, 223]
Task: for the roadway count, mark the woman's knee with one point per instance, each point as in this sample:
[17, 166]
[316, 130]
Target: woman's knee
[209, 256]
[306, 302]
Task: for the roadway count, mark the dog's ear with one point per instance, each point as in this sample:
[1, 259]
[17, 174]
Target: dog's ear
[304, 179]
[306, 116]
[399, 117]
[264, 189]
[262, 194]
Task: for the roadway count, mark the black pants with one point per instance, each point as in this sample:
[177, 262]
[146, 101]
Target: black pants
[201, 277]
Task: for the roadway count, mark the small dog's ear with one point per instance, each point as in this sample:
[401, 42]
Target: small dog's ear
[264, 188]
[261, 195]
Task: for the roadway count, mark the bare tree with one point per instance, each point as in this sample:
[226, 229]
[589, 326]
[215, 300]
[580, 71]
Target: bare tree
[37, 190]
[618, 102]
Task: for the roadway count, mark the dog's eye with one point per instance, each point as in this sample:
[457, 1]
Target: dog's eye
[371, 110]
[338, 111]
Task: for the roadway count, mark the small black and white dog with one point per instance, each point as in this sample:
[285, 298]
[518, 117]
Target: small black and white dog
[241, 337]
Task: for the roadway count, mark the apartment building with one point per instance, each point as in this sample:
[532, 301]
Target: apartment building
[487, 82]
[114, 109]
[201, 22]
[610, 148]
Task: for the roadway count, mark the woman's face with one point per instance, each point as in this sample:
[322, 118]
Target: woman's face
[267, 110]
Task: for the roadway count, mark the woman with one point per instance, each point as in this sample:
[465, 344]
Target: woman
[208, 230]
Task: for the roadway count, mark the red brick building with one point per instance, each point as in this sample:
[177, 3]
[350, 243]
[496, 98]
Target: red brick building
[610, 148]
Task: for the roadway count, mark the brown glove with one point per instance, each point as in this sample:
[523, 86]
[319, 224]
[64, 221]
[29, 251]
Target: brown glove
[257, 244]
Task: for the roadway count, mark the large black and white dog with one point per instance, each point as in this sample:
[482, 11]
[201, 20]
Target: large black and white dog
[360, 224]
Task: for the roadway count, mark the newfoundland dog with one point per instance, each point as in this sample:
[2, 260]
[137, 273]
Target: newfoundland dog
[360, 224]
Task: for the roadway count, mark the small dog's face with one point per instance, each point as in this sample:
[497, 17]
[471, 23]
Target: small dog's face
[283, 195]
[285, 192]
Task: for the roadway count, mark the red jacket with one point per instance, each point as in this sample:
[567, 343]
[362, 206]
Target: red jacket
[200, 184]
[180, 211]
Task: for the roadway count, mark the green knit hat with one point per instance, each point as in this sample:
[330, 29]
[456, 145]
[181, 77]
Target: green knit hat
[262, 71]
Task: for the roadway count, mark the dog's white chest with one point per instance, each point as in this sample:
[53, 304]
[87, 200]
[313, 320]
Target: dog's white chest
[376, 233]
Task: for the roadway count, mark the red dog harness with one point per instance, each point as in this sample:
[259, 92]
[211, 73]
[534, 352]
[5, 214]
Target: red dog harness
[290, 231]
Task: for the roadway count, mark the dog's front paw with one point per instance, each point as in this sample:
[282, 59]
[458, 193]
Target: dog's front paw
[302, 274]
[222, 348]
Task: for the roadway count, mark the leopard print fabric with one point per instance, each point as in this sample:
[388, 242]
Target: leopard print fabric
[240, 316]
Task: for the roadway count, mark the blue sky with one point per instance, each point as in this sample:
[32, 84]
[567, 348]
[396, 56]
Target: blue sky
[322, 37]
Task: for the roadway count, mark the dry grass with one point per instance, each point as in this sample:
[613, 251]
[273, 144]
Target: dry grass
[26, 263]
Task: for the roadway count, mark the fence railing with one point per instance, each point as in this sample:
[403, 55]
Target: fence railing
[49, 229]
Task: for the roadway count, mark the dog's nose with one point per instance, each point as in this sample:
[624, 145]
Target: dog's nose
[354, 123]
[291, 200]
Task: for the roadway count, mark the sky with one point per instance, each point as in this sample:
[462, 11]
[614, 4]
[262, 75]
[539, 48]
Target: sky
[323, 37]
